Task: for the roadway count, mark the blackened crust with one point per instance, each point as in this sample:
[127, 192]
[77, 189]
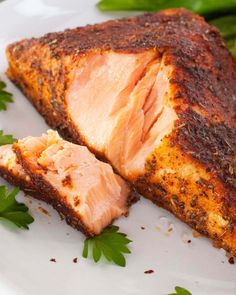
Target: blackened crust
[27, 186]
[213, 145]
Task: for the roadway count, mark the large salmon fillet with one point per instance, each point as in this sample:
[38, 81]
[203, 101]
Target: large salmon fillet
[154, 95]
[85, 191]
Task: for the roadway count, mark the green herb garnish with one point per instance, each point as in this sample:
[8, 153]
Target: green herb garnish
[5, 97]
[180, 291]
[203, 7]
[6, 138]
[226, 25]
[13, 211]
[110, 243]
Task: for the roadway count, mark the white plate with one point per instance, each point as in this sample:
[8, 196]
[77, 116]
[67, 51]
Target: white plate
[25, 266]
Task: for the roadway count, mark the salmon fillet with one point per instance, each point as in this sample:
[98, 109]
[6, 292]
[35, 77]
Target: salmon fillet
[85, 191]
[154, 95]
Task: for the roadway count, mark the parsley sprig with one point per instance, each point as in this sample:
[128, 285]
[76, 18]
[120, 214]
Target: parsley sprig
[180, 291]
[5, 97]
[110, 243]
[13, 211]
[6, 138]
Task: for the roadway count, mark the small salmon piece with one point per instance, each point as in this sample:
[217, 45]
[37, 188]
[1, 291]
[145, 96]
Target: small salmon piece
[85, 190]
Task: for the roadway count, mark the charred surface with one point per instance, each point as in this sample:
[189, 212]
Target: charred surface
[214, 145]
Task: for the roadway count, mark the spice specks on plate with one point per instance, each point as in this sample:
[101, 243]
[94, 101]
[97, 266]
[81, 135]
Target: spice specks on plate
[44, 211]
[149, 271]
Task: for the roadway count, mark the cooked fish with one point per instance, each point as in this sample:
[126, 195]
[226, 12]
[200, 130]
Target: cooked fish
[155, 95]
[11, 170]
[85, 191]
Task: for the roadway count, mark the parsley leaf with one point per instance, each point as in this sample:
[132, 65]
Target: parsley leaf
[110, 243]
[5, 97]
[13, 211]
[6, 139]
[180, 291]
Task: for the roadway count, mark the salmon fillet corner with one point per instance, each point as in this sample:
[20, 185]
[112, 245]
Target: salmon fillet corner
[155, 95]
